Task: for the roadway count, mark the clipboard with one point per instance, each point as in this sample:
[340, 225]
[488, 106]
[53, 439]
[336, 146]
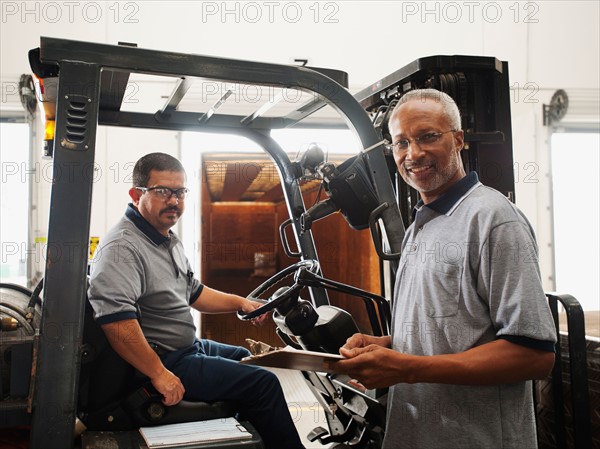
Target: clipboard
[197, 434]
[290, 358]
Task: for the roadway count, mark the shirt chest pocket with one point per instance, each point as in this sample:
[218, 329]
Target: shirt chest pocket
[440, 284]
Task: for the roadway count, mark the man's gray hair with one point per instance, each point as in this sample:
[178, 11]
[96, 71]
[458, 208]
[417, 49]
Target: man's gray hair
[449, 107]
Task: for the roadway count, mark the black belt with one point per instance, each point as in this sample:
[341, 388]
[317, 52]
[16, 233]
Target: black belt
[157, 349]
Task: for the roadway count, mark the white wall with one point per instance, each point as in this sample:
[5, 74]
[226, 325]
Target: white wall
[549, 45]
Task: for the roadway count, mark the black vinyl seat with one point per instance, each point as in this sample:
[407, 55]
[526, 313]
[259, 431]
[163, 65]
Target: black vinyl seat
[113, 396]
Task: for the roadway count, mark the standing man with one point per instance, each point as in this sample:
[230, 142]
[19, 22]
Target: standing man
[471, 325]
[142, 288]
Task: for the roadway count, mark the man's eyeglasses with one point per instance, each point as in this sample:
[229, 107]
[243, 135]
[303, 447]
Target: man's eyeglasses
[424, 141]
[166, 193]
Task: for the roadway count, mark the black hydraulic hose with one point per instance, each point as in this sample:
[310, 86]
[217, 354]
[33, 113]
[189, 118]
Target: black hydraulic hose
[16, 287]
[35, 296]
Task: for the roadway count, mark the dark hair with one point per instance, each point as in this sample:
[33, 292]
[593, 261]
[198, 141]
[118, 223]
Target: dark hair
[154, 161]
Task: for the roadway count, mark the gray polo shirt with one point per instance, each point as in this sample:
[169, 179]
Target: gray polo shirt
[468, 275]
[139, 273]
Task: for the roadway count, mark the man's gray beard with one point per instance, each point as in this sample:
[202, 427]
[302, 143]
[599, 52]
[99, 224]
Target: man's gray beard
[439, 179]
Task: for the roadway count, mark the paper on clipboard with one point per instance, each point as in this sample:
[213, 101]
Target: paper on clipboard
[194, 433]
[291, 358]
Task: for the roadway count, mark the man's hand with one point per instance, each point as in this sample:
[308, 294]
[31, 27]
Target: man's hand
[169, 385]
[249, 306]
[374, 366]
[368, 360]
[215, 301]
[362, 340]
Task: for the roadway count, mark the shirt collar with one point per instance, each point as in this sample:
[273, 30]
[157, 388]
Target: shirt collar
[445, 203]
[144, 225]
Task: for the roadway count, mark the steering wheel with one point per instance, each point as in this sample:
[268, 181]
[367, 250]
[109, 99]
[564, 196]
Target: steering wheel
[310, 265]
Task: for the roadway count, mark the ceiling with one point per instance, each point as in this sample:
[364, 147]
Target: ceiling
[247, 177]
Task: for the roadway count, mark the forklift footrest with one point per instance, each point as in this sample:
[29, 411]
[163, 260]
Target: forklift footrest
[316, 433]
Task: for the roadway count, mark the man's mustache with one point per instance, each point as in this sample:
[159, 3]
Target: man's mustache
[418, 163]
[171, 208]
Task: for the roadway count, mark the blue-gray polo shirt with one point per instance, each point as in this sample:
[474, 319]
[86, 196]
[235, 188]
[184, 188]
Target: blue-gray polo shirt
[468, 275]
[138, 273]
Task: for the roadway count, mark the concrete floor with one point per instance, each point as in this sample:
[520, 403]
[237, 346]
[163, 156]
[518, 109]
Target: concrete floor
[305, 410]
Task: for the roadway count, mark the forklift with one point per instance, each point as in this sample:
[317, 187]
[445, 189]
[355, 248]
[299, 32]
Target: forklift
[55, 357]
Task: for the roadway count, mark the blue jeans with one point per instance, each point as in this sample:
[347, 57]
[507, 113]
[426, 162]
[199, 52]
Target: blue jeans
[209, 372]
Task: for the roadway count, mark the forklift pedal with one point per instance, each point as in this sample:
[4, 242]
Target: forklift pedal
[317, 433]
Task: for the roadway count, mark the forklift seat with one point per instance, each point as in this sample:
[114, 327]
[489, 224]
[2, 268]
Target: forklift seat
[113, 396]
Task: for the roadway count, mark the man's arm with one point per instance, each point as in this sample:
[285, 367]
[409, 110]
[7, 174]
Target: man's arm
[215, 301]
[127, 339]
[497, 362]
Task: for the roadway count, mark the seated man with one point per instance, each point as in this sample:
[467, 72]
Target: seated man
[142, 288]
